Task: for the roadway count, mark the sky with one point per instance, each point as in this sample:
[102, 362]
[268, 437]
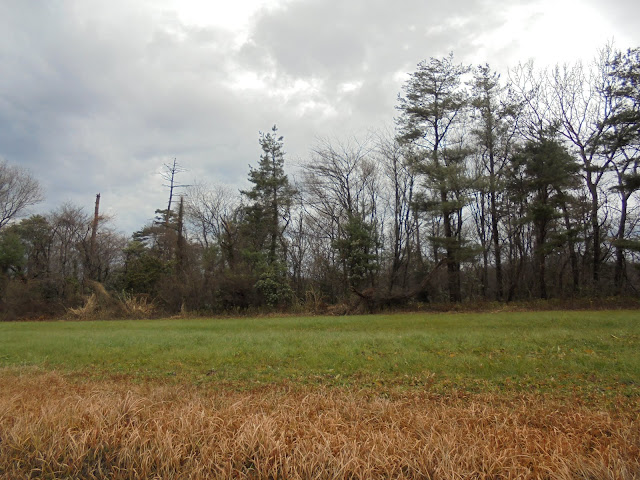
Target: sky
[96, 96]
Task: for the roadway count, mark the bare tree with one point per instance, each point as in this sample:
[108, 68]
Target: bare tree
[495, 116]
[623, 143]
[341, 174]
[18, 190]
[70, 228]
[404, 229]
[341, 188]
[209, 209]
[169, 175]
[212, 215]
[581, 103]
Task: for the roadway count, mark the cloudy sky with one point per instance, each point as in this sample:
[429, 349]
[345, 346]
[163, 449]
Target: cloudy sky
[95, 96]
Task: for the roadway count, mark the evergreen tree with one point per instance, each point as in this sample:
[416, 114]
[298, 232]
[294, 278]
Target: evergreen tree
[543, 174]
[357, 250]
[431, 111]
[12, 254]
[267, 217]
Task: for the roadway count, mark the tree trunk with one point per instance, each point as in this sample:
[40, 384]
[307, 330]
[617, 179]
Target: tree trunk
[180, 246]
[595, 227]
[619, 268]
[92, 263]
[496, 247]
[541, 262]
[573, 257]
[453, 266]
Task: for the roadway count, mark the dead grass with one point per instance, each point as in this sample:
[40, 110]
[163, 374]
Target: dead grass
[85, 311]
[136, 306]
[103, 305]
[51, 427]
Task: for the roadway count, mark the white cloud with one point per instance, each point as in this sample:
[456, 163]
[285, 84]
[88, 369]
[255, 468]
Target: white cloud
[348, 87]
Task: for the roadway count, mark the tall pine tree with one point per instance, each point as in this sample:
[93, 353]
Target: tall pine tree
[431, 109]
[543, 175]
[267, 217]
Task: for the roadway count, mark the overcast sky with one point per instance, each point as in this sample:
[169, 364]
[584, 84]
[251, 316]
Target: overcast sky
[95, 96]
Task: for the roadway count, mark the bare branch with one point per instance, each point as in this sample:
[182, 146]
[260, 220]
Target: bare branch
[18, 190]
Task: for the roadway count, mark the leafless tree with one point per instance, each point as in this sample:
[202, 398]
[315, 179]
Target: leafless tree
[18, 190]
[169, 175]
[495, 122]
[340, 183]
[404, 228]
[209, 209]
[581, 103]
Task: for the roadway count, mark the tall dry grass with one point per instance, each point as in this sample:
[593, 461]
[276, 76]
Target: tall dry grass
[53, 428]
[103, 305]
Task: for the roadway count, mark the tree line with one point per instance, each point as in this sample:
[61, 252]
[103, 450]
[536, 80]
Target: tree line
[487, 189]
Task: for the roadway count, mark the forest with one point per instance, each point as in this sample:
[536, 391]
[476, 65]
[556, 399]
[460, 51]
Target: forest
[488, 189]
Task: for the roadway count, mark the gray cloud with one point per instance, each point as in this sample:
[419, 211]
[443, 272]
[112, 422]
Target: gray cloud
[96, 96]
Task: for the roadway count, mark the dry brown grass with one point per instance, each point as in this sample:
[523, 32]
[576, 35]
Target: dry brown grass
[51, 427]
[87, 310]
[102, 305]
[136, 306]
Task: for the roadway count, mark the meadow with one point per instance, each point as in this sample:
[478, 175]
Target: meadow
[545, 350]
[492, 395]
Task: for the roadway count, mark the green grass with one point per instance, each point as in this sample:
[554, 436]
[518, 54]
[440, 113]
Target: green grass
[566, 350]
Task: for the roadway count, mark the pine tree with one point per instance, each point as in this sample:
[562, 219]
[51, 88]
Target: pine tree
[543, 175]
[357, 250]
[431, 111]
[267, 217]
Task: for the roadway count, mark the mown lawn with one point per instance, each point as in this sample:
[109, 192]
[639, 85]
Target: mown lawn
[563, 351]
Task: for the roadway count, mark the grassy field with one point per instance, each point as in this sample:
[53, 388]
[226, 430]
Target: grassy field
[534, 395]
[541, 350]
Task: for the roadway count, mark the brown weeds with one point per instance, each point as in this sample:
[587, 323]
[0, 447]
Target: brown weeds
[51, 427]
[103, 305]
